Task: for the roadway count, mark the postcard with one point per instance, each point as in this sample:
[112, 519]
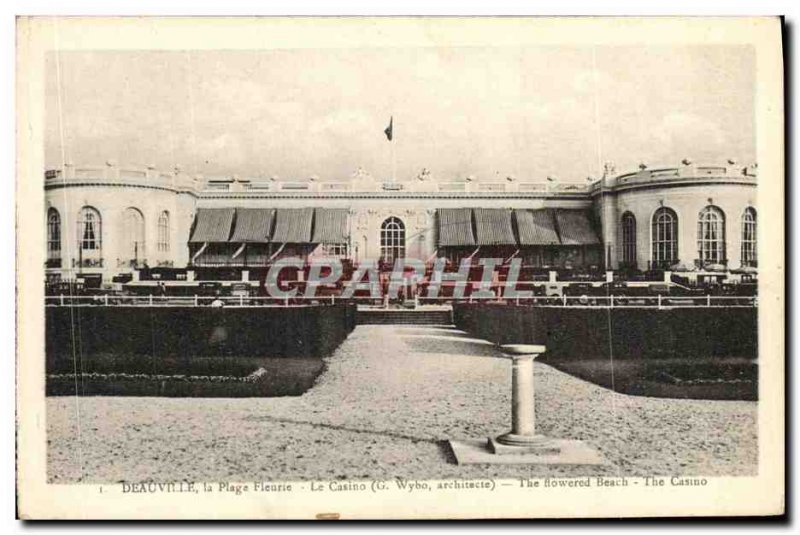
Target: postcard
[400, 268]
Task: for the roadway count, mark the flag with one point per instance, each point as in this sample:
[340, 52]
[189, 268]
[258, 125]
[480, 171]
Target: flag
[388, 130]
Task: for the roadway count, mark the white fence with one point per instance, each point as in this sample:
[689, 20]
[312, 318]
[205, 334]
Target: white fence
[610, 301]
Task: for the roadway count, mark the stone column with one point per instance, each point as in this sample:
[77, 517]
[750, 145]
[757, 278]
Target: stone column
[523, 416]
[523, 435]
[522, 445]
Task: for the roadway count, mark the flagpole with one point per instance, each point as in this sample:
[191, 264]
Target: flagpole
[390, 136]
[394, 164]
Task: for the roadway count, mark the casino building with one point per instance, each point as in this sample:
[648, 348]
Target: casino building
[110, 223]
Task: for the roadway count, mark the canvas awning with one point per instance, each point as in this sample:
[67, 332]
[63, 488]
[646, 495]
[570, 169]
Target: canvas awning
[536, 227]
[575, 228]
[455, 227]
[330, 225]
[253, 225]
[293, 225]
[493, 226]
[212, 225]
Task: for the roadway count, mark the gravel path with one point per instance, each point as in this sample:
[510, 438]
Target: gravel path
[390, 396]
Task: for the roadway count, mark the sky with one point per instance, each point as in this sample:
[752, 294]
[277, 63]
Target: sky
[482, 112]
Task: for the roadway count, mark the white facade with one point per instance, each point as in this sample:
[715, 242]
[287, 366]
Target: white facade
[115, 194]
[120, 194]
[686, 190]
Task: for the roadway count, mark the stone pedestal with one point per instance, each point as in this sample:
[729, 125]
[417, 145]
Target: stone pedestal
[522, 445]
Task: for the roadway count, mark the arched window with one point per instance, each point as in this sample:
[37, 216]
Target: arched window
[53, 233]
[393, 240]
[749, 243]
[89, 230]
[163, 232]
[133, 246]
[711, 236]
[665, 237]
[628, 239]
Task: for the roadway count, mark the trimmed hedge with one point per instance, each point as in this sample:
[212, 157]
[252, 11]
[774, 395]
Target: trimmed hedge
[210, 352]
[631, 333]
[189, 332]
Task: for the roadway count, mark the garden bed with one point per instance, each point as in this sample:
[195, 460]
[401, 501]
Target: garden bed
[202, 377]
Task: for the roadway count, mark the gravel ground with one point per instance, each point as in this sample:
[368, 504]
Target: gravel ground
[389, 398]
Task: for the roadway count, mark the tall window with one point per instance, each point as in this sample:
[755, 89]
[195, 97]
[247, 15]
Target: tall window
[665, 237]
[89, 229]
[393, 240]
[133, 235]
[628, 239]
[163, 232]
[711, 235]
[749, 244]
[53, 233]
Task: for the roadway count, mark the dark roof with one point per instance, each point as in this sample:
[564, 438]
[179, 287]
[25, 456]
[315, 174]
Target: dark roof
[575, 228]
[455, 227]
[253, 225]
[493, 226]
[212, 225]
[536, 227]
[330, 225]
[293, 225]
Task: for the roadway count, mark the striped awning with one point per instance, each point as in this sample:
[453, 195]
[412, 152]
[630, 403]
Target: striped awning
[253, 225]
[493, 226]
[212, 225]
[536, 227]
[330, 225]
[455, 227]
[293, 225]
[575, 228]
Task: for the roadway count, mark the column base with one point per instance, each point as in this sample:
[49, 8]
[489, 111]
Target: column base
[471, 451]
[510, 444]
